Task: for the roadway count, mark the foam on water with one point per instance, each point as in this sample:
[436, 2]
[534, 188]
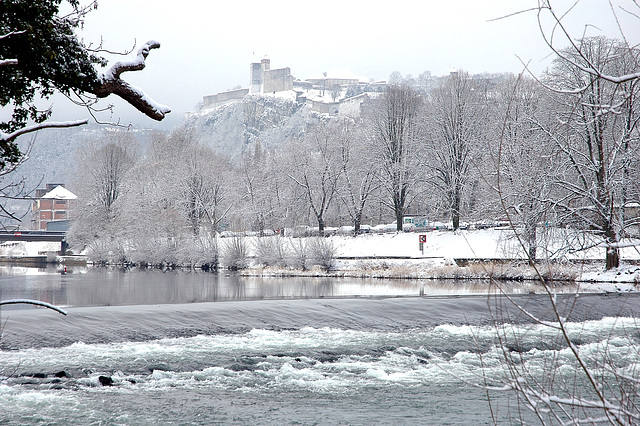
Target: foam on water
[314, 355]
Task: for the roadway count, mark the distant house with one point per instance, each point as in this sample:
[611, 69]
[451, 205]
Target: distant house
[52, 208]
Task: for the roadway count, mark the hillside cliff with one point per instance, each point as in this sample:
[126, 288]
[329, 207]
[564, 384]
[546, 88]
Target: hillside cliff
[233, 129]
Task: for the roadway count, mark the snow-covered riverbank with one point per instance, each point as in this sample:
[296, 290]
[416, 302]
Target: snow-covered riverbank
[485, 253]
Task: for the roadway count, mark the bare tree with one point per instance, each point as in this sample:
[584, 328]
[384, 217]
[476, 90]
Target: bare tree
[154, 224]
[456, 114]
[596, 136]
[198, 182]
[336, 91]
[523, 158]
[316, 168]
[593, 83]
[103, 166]
[101, 180]
[358, 180]
[393, 122]
[205, 187]
[264, 190]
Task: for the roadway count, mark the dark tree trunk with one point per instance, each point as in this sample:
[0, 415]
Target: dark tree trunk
[532, 240]
[613, 258]
[356, 225]
[455, 211]
[613, 252]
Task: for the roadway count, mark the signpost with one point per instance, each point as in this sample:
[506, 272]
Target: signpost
[422, 238]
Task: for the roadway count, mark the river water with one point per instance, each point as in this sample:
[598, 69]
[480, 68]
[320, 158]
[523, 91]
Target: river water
[200, 348]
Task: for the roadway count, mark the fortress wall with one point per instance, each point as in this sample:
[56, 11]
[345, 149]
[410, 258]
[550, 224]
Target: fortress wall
[214, 100]
[325, 108]
[278, 80]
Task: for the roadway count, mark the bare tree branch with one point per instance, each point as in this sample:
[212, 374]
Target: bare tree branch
[32, 302]
[9, 137]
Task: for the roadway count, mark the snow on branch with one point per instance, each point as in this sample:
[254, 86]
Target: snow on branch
[9, 137]
[4, 62]
[110, 82]
[3, 36]
[588, 67]
[33, 302]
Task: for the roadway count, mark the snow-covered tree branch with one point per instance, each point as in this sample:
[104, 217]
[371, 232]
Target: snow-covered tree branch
[4, 62]
[40, 54]
[110, 82]
[584, 63]
[8, 138]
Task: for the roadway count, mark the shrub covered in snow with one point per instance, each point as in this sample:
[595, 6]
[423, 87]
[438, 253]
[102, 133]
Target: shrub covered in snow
[270, 251]
[298, 253]
[322, 252]
[234, 253]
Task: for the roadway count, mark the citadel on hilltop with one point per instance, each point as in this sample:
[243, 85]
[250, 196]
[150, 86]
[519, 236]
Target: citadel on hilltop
[333, 92]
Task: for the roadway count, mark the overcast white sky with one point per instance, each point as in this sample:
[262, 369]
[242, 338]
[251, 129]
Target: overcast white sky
[207, 45]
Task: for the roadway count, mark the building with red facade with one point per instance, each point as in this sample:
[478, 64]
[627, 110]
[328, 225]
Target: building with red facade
[52, 208]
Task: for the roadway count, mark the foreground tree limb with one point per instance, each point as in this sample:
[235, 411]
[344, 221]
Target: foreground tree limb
[10, 137]
[33, 302]
[40, 55]
[110, 82]
[4, 62]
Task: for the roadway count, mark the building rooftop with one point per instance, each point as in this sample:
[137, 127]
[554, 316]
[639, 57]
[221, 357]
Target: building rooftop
[60, 193]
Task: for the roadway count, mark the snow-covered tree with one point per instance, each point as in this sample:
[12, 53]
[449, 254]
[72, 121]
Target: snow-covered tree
[596, 135]
[358, 179]
[264, 190]
[154, 227]
[455, 121]
[393, 120]
[101, 180]
[521, 158]
[40, 55]
[198, 182]
[315, 167]
[593, 86]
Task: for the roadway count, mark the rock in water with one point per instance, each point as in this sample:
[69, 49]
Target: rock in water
[105, 380]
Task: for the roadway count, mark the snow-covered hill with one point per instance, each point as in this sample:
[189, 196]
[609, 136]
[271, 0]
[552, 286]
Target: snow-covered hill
[234, 128]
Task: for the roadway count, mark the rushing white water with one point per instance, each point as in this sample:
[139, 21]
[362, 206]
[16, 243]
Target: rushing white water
[269, 372]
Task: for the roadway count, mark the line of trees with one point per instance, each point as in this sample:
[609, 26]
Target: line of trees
[558, 152]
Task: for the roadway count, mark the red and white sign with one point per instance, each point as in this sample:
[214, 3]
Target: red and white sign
[422, 238]
[17, 234]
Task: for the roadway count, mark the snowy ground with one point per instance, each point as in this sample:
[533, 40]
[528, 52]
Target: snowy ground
[443, 248]
[29, 249]
[476, 244]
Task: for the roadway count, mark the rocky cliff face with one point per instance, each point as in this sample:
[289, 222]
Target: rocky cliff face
[235, 128]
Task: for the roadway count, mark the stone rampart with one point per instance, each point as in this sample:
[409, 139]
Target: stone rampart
[210, 101]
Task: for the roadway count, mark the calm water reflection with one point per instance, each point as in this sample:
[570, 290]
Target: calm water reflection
[106, 286]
